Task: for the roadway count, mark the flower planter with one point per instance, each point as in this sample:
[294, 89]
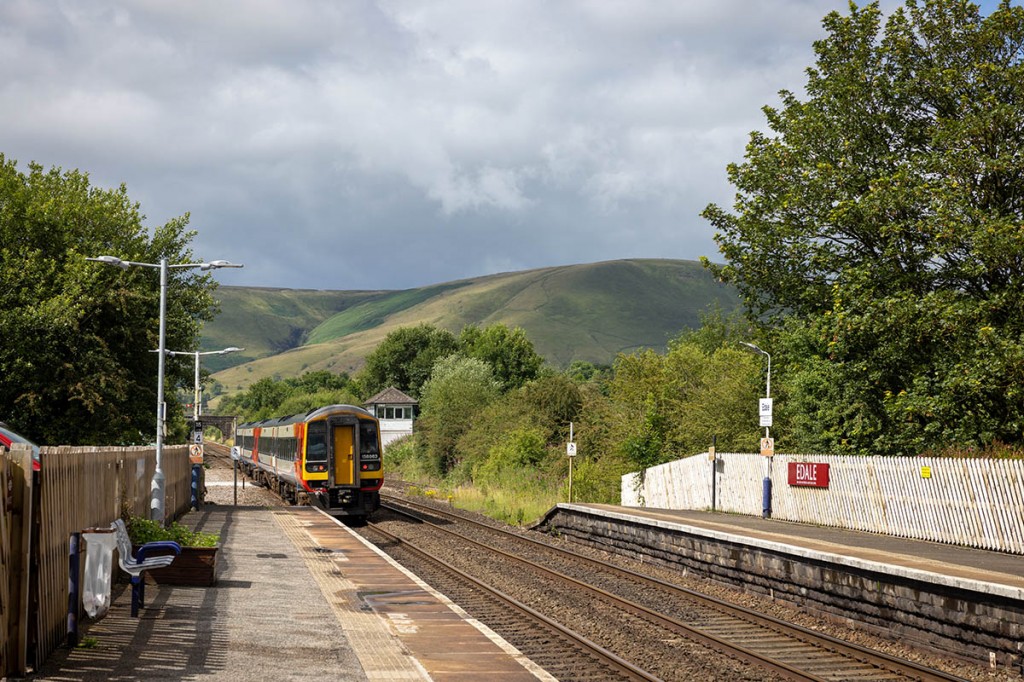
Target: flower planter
[194, 566]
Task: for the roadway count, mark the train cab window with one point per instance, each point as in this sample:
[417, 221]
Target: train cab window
[369, 447]
[316, 442]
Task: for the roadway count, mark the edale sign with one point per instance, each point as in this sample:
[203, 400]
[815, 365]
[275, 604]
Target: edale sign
[810, 474]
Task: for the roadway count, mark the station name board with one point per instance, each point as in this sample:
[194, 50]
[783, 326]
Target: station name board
[808, 474]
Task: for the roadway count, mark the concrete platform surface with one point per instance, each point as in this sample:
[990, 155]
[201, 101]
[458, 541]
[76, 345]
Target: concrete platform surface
[299, 597]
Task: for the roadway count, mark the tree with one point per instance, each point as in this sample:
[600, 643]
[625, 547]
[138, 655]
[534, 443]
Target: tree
[457, 390]
[878, 230]
[273, 397]
[508, 351]
[76, 337]
[405, 358]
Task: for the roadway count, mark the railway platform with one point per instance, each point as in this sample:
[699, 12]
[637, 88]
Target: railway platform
[299, 596]
[969, 602]
[995, 573]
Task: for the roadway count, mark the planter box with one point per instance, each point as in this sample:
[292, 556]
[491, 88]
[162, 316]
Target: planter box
[194, 566]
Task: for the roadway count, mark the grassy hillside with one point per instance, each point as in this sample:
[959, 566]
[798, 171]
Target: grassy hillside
[578, 312]
[269, 321]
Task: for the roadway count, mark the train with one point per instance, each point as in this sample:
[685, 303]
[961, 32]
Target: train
[329, 457]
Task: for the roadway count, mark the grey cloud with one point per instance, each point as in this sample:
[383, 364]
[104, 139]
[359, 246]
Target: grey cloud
[395, 143]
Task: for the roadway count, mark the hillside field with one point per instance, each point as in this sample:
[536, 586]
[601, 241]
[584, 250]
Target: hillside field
[587, 312]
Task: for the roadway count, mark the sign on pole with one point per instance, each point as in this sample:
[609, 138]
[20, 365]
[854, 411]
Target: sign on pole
[570, 449]
[766, 411]
[768, 447]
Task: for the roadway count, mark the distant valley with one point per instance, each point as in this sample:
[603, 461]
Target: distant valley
[587, 312]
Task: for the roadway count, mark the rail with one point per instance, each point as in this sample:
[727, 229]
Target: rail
[738, 631]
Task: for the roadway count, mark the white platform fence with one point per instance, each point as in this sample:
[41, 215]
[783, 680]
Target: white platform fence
[970, 502]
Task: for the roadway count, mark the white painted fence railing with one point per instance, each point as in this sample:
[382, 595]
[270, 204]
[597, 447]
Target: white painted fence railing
[969, 502]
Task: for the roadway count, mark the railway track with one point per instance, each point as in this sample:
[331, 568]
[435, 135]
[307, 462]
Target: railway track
[217, 455]
[565, 654]
[668, 624]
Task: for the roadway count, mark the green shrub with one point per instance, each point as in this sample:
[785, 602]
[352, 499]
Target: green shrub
[142, 531]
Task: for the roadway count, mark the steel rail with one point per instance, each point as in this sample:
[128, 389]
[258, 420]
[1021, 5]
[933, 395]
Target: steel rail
[622, 666]
[823, 641]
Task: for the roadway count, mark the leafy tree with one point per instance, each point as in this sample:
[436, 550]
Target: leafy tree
[581, 371]
[457, 390]
[405, 358]
[520, 451]
[717, 329]
[262, 400]
[508, 351]
[322, 380]
[273, 397]
[680, 401]
[300, 401]
[877, 231]
[557, 398]
[75, 352]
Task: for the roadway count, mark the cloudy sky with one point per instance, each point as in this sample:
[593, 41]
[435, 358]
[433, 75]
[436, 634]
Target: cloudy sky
[386, 144]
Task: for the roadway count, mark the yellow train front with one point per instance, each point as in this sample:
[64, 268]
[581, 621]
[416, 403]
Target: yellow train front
[329, 457]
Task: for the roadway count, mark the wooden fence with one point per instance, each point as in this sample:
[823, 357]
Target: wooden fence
[77, 488]
[970, 502]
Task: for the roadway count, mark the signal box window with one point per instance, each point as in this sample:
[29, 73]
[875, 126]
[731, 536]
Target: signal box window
[394, 412]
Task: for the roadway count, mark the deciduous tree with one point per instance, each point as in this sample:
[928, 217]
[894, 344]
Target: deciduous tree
[880, 225]
[405, 358]
[76, 338]
[509, 352]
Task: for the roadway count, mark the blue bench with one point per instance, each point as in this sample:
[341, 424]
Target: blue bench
[136, 563]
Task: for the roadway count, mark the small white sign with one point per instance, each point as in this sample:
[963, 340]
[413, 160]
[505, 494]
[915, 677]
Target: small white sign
[766, 411]
[570, 449]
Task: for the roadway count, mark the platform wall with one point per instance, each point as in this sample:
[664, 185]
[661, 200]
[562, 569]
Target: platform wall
[969, 502]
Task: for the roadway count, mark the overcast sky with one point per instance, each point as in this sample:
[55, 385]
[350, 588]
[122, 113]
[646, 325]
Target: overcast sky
[386, 144]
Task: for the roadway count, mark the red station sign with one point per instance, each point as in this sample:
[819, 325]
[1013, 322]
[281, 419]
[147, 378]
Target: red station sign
[808, 474]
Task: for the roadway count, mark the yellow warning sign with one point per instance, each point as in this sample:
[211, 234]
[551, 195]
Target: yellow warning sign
[768, 447]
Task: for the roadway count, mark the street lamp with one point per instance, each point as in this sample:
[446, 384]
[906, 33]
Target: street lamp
[768, 386]
[156, 488]
[766, 488]
[197, 410]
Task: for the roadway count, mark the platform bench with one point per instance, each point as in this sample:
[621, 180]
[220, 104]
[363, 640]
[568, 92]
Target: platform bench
[135, 563]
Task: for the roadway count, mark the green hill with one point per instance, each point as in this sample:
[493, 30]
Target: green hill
[268, 321]
[586, 312]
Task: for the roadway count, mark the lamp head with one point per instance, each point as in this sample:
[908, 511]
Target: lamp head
[110, 260]
[214, 264]
[753, 348]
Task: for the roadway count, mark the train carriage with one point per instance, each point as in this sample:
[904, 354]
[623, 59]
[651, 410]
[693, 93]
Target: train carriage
[329, 457]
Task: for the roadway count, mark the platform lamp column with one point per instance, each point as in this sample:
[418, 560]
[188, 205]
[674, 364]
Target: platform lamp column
[197, 411]
[767, 447]
[157, 485]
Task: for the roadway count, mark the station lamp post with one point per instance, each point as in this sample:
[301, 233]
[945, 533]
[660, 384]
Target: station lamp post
[157, 489]
[197, 406]
[766, 421]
